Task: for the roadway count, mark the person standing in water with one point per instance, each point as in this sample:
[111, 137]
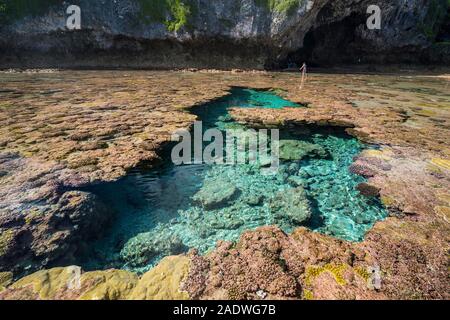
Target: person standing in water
[304, 75]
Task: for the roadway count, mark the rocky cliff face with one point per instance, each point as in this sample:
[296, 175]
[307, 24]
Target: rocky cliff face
[218, 33]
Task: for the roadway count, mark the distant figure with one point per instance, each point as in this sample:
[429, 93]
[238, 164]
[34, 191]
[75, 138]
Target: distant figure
[304, 75]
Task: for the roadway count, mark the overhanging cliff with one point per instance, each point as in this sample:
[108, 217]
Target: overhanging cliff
[221, 34]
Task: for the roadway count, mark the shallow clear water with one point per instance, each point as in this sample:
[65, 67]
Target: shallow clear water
[163, 211]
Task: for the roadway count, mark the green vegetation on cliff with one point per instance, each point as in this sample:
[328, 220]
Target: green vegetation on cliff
[437, 12]
[11, 10]
[281, 6]
[173, 13]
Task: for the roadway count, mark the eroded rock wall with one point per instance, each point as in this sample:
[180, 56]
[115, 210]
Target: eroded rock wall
[221, 34]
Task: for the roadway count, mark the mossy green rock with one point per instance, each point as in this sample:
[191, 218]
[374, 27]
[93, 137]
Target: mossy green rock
[161, 283]
[5, 279]
[6, 238]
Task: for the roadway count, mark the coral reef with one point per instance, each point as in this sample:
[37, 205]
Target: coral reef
[235, 198]
[45, 213]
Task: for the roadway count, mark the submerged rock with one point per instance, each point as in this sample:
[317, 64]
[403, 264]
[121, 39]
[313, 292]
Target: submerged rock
[216, 193]
[296, 181]
[254, 199]
[141, 249]
[291, 205]
[297, 150]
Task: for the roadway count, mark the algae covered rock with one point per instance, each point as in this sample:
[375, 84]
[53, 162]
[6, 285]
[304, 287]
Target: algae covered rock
[6, 241]
[164, 281]
[297, 150]
[5, 279]
[70, 283]
[441, 163]
[141, 249]
[216, 193]
[43, 285]
[108, 285]
[291, 205]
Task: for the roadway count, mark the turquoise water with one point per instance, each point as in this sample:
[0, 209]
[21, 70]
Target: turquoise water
[169, 209]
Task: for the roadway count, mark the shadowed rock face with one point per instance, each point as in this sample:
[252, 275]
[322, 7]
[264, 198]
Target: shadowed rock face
[223, 34]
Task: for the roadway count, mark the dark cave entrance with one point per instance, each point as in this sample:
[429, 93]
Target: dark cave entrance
[331, 43]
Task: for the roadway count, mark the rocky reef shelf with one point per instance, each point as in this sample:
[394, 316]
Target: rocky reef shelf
[170, 209]
[64, 131]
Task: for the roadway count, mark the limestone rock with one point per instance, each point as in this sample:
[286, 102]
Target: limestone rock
[162, 282]
[54, 229]
[442, 163]
[242, 25]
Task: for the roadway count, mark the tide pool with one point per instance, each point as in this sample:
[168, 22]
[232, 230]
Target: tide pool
[170, 209]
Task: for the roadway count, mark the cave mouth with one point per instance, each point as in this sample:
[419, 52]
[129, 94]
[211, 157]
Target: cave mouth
[331, 44]
[170, 209]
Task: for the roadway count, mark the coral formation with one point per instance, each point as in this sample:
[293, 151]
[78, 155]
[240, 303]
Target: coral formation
[45, 212]
[235, 198]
